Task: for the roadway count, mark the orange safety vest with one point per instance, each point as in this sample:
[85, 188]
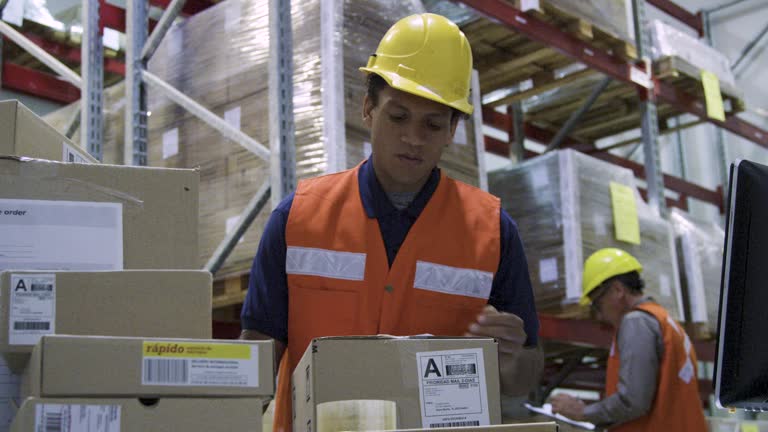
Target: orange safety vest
[340, 282]
[676, 406]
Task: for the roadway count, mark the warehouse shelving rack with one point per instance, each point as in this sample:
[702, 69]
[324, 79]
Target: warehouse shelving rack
[638, 74]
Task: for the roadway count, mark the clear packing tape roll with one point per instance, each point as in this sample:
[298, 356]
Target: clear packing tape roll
[356, 415]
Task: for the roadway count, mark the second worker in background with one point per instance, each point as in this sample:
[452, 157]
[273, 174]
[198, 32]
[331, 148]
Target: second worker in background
[651, 380]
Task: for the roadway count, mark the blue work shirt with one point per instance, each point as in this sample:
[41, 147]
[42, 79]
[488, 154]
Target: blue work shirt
[266, 303]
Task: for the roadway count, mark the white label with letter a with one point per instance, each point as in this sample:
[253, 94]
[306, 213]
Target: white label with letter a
[452, 389]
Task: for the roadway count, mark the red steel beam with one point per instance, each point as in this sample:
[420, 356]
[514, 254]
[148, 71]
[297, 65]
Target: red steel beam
[111, 16]
[552, 36]
[114, 17]
[69, 54]
[37, 83]
[686, 102]
[688, 18]
[600, 335]
[670, 182]
[503, 122]
[501, 148]
[587, 332]
[190, 7]
[680, 203]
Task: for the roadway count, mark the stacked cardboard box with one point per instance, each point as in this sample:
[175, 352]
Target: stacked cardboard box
[70, 230]
[431, 382]
[22, 133]
[700, 251]
[562, 205]
[86, 382]
[159, 303]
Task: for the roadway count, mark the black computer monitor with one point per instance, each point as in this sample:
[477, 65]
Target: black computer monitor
[741, 365]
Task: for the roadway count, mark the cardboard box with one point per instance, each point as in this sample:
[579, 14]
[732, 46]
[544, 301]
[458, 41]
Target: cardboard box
[143, 303]
[431, 380]
[522, 427]
[152, 212]
[22, 133]
[129, 415]
[99, 366]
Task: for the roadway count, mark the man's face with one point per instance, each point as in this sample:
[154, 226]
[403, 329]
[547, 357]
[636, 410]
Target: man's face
[408, 135]
[605, 303]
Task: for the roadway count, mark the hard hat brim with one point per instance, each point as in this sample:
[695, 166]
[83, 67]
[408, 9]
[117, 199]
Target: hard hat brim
[409, 86]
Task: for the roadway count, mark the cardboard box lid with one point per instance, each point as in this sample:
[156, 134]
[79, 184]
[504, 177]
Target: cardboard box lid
[23, 133]
[159, 206]
[166, 414]
[120, 303]
[100, 366]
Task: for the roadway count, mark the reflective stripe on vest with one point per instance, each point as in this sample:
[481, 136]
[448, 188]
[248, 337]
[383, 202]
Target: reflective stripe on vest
[339, 278]
[677, 405]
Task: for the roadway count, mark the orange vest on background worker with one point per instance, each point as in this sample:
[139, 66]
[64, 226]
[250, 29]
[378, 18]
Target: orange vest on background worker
[677, 405]
[340, 282]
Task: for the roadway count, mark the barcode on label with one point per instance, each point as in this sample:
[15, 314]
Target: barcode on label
[41, 287]
[461, 369]
[166, 371]
[454, 424]
[52, 422]
[31, 325]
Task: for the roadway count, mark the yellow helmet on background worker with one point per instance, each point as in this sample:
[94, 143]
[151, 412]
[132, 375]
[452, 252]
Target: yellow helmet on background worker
[428, 56]
[603, 265]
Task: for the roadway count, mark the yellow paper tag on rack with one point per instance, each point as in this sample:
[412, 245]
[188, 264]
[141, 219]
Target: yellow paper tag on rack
[749, 427]
[625, 213]
[712, 96]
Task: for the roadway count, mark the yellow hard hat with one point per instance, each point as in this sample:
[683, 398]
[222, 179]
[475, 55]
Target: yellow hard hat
[428, 56]
[603, 265]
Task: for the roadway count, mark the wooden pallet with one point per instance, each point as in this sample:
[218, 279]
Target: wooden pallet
[579, 27]
[506, 58]
[565, 311]
[687, 77]
[615, 111]
[230, 291]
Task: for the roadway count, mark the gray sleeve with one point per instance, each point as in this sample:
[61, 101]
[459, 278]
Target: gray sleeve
[640, 350]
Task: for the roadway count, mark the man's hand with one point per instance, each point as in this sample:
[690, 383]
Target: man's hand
[519, 367]
[505, 327]
[568, 406]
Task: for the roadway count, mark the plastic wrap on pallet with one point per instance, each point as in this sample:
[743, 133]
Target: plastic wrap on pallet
[220, 58]
[113, 120]
[562, 205]
[611, 16]
[215, 57]
[700, 252]
[667, 41]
